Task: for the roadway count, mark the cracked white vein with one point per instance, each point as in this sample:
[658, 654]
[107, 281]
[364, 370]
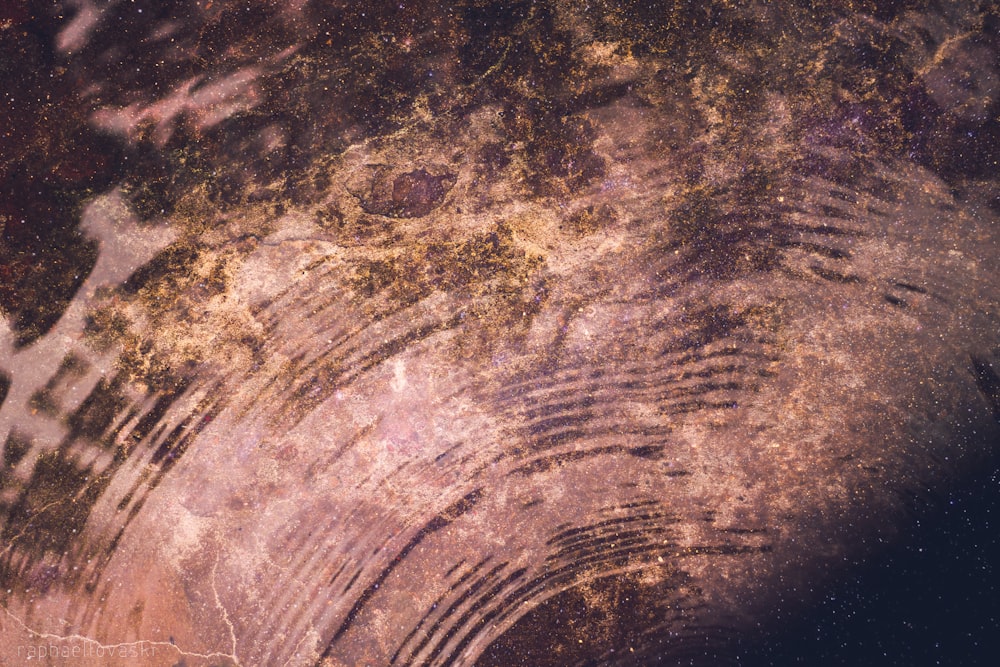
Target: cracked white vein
[225, 614]
[49, 636]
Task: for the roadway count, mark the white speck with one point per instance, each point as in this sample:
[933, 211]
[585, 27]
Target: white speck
[398, 376]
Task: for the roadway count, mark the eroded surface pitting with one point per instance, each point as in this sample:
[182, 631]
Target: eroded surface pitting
[500, 331]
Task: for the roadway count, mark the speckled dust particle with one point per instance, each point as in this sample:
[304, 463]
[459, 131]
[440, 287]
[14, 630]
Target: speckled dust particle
[499, 333]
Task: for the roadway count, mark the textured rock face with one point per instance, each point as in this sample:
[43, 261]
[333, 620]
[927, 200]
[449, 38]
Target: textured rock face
[496, 333]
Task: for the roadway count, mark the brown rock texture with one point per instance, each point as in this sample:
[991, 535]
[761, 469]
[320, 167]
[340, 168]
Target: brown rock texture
[496, 333]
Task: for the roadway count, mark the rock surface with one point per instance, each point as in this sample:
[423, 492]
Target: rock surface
[480, 333]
